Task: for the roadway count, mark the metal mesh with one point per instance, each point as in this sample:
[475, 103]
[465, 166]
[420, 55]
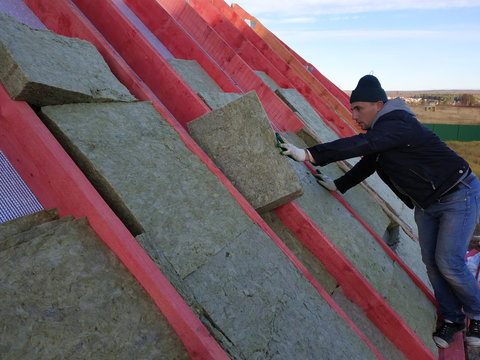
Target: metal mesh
[16, 199]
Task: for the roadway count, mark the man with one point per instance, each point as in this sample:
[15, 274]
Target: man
[429, 177]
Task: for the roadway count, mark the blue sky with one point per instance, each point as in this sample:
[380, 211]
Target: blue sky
[408, 45]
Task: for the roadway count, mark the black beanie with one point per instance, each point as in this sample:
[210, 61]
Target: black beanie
[368, 89]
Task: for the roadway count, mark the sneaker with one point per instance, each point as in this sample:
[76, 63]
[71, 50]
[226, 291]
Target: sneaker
[473, 333]
[443, 337]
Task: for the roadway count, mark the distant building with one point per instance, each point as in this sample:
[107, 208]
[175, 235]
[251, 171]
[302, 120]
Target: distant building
[430, 105]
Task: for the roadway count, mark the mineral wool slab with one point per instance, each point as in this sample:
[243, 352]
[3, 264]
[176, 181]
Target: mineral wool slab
[311, 262]
[307, 114]
[43, 68]
[386, 348]
[141, 166]
[240, 140]
[194, 75]
[200, 236]
[263, 304]
[268, 80]
[409, 251]
[316, 268]
[25, 236]
[26, 222]
[65, 295]
[216, 99]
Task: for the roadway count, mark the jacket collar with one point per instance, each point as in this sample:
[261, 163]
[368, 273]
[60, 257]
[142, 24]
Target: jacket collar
[392, 105]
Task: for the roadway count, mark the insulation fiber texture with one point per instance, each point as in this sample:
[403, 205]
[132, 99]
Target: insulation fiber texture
[65, 295]
[241, 285]
[240, 140]
[43, 68]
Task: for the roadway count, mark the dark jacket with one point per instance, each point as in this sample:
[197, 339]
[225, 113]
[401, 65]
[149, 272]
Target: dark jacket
[407, 156]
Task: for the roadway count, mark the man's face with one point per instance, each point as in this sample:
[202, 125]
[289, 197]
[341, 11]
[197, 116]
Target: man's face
[364, 112]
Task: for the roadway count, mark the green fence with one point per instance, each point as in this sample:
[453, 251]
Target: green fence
[450, 132]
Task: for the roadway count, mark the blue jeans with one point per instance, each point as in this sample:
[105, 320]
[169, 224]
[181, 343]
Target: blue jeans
[445, 229]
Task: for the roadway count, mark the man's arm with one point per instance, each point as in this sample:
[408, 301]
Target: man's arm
[393, 131]
[341, 149]
[359, 172]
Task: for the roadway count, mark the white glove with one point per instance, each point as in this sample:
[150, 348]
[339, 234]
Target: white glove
[326, 182]
[292, 151]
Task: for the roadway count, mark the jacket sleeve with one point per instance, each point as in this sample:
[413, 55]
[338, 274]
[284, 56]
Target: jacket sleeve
[359, 172]
[390, 131]
[340, 149]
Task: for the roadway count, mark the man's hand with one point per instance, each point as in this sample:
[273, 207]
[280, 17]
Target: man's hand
[326, 182]
[290, 150]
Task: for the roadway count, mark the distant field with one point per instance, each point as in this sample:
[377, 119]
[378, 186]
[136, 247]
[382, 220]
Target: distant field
[411, 93]
[445, 114]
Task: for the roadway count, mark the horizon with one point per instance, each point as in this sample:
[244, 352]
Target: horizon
[408, 45]
[429, 90]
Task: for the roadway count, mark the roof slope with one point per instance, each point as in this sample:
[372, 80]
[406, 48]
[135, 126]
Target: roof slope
[258, 285]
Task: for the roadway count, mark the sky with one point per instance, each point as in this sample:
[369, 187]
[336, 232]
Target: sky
[407, 44]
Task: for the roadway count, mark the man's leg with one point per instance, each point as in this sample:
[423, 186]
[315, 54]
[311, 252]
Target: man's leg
[428, 227]
[429, 224]
[459, 216]
[454, 217]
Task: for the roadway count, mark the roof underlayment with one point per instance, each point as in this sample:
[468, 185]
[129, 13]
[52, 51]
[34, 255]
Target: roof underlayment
[16, 199]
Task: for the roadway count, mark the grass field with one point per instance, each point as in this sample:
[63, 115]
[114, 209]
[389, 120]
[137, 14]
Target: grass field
[445, 114]
[470, 151]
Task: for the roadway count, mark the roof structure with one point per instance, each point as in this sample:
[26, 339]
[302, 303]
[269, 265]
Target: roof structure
[229, 272]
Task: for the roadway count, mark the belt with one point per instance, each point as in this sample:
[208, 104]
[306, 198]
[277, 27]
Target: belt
[459, 185]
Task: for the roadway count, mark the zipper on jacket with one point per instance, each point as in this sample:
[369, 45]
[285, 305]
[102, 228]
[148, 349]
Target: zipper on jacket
[423, 178]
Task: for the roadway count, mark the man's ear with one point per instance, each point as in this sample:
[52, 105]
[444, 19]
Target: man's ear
[379, 105]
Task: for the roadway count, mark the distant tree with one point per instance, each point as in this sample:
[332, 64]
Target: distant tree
[467, 99]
